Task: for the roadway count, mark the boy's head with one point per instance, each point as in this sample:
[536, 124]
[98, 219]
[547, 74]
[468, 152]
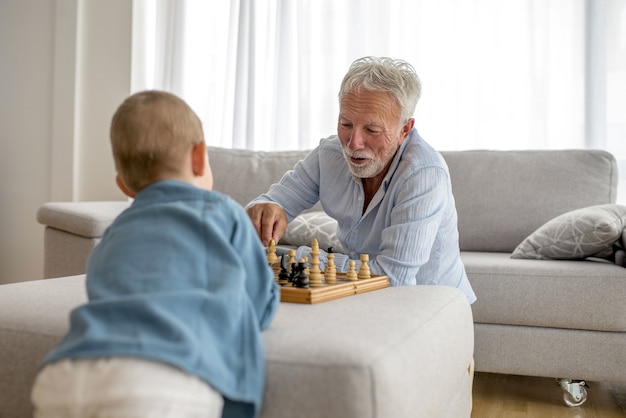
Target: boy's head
[155, 136]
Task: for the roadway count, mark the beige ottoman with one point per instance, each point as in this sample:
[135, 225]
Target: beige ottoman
[396, 352]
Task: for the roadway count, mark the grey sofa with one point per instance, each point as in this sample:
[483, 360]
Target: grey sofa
[553, 318]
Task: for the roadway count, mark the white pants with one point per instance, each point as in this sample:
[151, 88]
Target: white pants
[121, 388]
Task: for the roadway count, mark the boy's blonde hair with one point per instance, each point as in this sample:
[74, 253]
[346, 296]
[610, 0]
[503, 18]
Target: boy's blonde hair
[151, 132]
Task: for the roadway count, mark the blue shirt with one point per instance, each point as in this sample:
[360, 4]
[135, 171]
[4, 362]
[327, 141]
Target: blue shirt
[409, 228]
[180, 277]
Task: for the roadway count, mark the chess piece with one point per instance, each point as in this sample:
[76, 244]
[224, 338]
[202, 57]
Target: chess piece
[330, 272]
[272, 258]
[283, 275]
[301, 280]
[305, 262]
[292, 258]
[351, 274]
[315, 274]
[364, 270]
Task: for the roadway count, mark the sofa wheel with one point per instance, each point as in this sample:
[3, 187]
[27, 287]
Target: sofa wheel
[574, 392]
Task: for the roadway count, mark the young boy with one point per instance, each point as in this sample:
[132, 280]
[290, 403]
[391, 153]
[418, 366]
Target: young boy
[179, 287]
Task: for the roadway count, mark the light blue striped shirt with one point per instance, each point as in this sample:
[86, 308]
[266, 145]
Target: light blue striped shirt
[409, 228]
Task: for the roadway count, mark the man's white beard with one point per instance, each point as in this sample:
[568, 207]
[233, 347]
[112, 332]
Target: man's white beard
[372, 167]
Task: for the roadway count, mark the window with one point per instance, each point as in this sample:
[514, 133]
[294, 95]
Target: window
[513, 74]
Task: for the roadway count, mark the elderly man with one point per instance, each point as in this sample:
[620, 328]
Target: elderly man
[387, 188]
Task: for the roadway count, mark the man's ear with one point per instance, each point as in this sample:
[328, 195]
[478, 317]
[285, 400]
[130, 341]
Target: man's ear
[406, 128]
[199, 159]
[123, 188]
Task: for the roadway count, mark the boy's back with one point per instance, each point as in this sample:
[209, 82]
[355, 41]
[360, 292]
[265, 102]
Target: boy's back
[180, 278]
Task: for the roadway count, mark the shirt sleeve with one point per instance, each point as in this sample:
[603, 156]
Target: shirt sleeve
[298, 189]
[262, 289]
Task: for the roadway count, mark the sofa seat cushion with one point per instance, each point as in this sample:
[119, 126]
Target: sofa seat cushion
[586, 295]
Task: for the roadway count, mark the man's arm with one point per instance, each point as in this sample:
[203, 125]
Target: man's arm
[260, 284]
[296, 191]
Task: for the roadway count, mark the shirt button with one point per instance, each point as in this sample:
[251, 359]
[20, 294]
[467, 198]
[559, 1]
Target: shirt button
[360, 198]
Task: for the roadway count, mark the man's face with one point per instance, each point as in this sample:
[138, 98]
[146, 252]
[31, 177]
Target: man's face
[369, 131]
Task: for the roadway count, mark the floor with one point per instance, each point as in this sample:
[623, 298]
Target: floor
[506, 396]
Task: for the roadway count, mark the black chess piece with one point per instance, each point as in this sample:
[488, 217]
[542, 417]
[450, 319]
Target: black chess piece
[301, 280]
[283, 275]
[293, 272]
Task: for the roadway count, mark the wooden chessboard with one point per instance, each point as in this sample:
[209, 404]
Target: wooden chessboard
[326, 291]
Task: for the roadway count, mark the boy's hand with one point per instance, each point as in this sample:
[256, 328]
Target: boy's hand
[269, 220]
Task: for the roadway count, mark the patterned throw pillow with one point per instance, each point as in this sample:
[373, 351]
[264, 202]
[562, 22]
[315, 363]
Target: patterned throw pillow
[578, 234]
[307, 226]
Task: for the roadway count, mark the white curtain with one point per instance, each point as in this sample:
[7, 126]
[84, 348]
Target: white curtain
[264, 74]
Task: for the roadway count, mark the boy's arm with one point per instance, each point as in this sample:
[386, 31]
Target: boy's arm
[262, 289]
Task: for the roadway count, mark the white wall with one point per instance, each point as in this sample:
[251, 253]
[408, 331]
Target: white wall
[64, 68]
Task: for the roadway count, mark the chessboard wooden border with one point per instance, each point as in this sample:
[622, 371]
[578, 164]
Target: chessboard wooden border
[327, 291]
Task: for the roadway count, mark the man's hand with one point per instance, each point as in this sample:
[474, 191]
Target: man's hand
[269, 220]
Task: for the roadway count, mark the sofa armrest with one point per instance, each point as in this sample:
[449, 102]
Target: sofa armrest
[86, 219]
[72, 230]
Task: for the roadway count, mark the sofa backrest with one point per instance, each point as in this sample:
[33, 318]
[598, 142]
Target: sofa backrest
[244, 174]
[503, 196]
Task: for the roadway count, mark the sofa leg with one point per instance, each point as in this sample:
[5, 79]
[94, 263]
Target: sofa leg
[574, 391]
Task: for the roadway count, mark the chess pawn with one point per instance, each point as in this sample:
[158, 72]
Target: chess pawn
[292, 258]
[301, 280]
[305, 263]
[364, 270]
[351, 274]
[330, 272]
[315, 274]
[272, 258]
[283, 275]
